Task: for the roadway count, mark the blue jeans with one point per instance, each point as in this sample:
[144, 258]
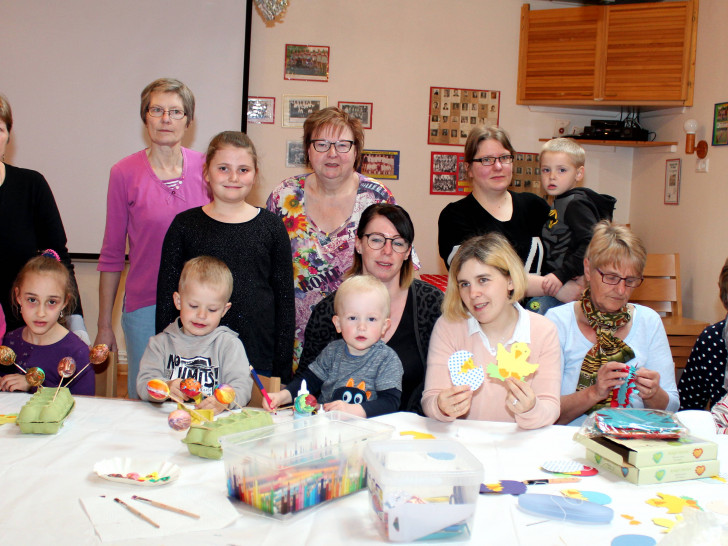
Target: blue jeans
[541, 304]
[138, 327]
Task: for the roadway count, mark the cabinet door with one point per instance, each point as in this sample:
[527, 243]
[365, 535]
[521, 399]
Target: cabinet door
[649, 52]
[558, 54]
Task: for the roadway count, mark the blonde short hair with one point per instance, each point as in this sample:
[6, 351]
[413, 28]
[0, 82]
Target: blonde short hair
[359, 284]
[209, 271]
[615, 244]
[337, 119]
[494, 250]
[567, 146]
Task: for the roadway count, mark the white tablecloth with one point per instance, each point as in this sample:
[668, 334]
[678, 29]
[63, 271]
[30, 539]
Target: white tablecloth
[43, 478]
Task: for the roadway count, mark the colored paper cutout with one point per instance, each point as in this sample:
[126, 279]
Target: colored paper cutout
[633, 540]
[7, 418]
[416, 435]
[570, 468]
[512, 363]
[463, 370]
[674, 505]
[591, 496]
[503, 487]
[621, 394]
[668, 524]
[199, 416]
[631, 519]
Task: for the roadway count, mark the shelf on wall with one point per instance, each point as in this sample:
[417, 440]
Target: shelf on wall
[624, 143]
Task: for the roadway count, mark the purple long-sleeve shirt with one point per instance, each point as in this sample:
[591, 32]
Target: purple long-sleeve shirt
[139, 205]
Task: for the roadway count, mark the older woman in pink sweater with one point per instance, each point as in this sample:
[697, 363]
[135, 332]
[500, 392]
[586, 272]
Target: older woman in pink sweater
[481, 315]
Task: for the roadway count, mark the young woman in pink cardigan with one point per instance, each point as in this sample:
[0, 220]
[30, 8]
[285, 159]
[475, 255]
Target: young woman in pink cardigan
[480, 313]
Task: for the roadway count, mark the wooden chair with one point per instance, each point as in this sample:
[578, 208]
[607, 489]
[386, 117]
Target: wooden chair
[271, 384]
[106, 379]
[662, 292]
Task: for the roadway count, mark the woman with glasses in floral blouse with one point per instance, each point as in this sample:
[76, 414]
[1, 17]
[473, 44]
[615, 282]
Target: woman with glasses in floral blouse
[321, 210]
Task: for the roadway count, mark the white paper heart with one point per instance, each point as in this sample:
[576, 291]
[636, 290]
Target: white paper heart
[473, 376]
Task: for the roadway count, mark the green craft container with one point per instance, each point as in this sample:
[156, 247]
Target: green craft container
[203, 440]
[44, 415]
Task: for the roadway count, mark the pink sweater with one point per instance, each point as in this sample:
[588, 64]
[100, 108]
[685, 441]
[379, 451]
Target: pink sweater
[489, 401]
[140, 206]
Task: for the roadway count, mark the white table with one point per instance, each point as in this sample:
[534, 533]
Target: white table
[42, 478]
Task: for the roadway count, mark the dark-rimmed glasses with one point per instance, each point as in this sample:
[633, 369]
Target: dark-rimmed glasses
[378, 240]
[341, 146]
[611, 278]
[158, 112]
[489, 160]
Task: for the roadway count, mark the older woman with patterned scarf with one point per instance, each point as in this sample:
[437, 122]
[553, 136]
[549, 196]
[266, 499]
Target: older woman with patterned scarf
[607, 342]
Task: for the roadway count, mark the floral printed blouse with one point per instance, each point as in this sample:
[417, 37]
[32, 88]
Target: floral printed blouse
[319, 259]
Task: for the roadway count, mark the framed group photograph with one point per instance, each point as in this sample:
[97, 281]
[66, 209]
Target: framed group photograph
[448, 175]
[526, 175]
[720, 124]
[306, 62]
[296, 108]
[382, 164]
[453, 112]
[672, 182]
[360, 110]
[294, 154]
[261, 109]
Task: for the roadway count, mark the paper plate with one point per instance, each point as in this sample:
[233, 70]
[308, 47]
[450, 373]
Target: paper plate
[137, 471]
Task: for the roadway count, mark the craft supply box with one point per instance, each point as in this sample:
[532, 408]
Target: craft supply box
[653, 461]
[290, 466]
[423, 489]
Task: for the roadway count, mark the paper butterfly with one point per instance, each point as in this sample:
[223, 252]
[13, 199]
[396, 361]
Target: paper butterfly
[513, 363]
[463, 370]
[621, 394]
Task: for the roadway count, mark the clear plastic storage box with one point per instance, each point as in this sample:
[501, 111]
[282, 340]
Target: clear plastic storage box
[423, 489]
[287, 467]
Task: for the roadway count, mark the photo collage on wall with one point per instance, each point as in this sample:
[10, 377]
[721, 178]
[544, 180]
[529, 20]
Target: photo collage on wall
[527, 174]
[448, 175]
[453, 112]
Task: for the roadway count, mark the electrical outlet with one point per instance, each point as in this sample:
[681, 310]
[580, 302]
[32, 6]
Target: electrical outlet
[702, 165]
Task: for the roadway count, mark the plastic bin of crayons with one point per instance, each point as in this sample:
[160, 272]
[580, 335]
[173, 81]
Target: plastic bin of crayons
[288, 467]
[423, 489]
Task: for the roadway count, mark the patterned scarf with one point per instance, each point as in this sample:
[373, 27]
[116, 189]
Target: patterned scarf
[608, 347]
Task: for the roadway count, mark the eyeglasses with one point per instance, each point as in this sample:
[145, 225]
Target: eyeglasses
[378, 240]
[341, 146]
[629, 282]
[490, 160]
[158, 112]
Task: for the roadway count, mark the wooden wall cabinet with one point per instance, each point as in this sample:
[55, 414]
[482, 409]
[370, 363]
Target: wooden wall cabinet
[627, 55]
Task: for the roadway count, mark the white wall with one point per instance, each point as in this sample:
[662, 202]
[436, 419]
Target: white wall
[696, 228]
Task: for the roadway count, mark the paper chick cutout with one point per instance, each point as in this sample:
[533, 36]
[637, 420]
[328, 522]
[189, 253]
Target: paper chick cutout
[667, 523]
[463, 370]
[513, 363]
[417, 435]
[621, 394]
[674, 505]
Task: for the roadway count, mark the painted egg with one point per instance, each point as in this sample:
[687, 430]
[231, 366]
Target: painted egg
[158, 390]
[66, 367]
[225, 394]
[7, 356]
[305, 403]
[179, 420]
[190, 387]
[98, 353]
[35, 377]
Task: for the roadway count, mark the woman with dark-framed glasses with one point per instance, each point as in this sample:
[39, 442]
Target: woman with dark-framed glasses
[607, 341]
[383, 248]
[146, 191]
[321, 210]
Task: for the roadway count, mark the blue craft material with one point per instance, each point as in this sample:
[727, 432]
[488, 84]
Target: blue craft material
[633, 540]
[561, 508]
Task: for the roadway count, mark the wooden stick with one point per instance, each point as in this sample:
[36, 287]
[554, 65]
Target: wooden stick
[193, 412]
[136, 512]
[166, 507]
[75, 376]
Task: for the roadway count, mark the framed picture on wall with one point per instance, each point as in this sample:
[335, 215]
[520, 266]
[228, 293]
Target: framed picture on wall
[720, 124]
[360, 110]
[294, 154]
[296, 108]
[672, 182]
[448, 175]
[261, 110]
[453, 112]
[306, 62]
[382, 164]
